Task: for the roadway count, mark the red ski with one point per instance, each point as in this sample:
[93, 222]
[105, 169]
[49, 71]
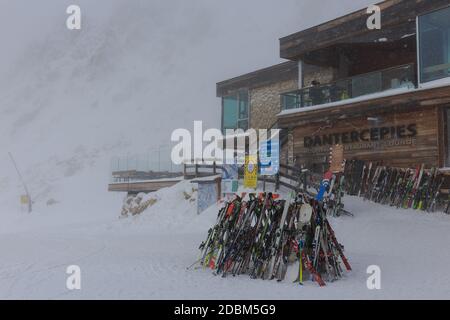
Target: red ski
[338, 246]
[311, 269]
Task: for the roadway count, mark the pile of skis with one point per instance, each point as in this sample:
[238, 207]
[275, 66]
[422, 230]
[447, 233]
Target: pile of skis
[402, 188]
[262, 235]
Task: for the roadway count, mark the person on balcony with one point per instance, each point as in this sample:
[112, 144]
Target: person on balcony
[316, 93]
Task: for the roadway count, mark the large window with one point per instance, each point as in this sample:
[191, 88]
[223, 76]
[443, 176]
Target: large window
[434, 40]
[235, 111]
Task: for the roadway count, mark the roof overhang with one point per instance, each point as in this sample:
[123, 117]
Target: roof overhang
[398, 18]
[278, 73]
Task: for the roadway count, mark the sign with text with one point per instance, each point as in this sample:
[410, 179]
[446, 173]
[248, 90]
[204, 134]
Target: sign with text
[372, 135]
[230, 178]
[251, 172]
[207, 196]
[269, 157]
[337, 159]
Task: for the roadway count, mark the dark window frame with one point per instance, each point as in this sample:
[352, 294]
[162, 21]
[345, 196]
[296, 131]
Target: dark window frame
[419, 48]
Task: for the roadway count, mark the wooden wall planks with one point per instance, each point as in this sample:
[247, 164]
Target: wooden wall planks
[404, 152]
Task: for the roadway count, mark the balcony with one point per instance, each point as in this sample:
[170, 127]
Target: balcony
[400, 77]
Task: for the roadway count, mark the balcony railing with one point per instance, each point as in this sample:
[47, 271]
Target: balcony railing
[344, 89]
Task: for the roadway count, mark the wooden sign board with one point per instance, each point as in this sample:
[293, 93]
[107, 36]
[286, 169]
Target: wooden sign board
[337, 158]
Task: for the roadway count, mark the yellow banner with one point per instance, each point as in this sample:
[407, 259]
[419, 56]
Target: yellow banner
[251, 172]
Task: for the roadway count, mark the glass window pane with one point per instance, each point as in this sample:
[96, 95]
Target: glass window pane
[366, 84]
[243, 111]
[230, 112]
[243, 105]
[434, 33]
[290, 101]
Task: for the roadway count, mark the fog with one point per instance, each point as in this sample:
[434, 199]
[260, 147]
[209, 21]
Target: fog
[137, 70]
[248, 29]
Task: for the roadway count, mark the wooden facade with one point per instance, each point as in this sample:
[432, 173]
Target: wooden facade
[399, 139]
[402, 130]
[405, 129]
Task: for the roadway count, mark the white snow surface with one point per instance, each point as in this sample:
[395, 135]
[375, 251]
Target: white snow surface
[145, 257]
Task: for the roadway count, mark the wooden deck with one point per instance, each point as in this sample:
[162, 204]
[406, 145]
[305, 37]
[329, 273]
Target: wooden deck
[142, 186]
[136, 182]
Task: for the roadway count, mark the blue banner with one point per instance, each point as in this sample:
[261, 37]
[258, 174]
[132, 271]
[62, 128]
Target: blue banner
[269, 157]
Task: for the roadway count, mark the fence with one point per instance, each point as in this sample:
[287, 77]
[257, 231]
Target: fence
[154, 164]
[379, 81]
[291, 177]
[157, 164]
[201, 170]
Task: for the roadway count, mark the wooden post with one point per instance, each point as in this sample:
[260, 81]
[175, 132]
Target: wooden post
[214, 168]
[184, 170]
[277, 181]
[196, 170]
[30, 203]
[219, 188]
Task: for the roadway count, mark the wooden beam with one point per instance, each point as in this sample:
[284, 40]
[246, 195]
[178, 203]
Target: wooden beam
[147, 186]
[407, 101]
[282, 72]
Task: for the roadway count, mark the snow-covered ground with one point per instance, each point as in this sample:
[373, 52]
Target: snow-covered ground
[145, 257]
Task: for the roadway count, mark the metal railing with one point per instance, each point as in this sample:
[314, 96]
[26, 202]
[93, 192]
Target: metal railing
[193, 170]
[291, 177]
[370, 83]
[155, 164]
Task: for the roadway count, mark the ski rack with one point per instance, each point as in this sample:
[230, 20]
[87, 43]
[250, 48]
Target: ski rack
[417, 188]
[262, 236]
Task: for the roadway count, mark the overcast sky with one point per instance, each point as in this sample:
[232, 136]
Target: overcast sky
[137, 70]
[24, 22]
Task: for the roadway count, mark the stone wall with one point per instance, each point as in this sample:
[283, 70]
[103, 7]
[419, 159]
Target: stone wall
[287, 155]
[265, 103]
[322, 74]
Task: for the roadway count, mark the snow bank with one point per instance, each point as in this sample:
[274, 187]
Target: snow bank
[173, 210]
[146, 256]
